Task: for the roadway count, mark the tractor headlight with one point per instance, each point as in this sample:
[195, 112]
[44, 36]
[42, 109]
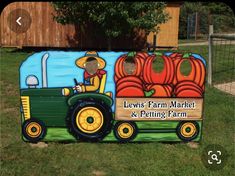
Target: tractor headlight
[65, 92]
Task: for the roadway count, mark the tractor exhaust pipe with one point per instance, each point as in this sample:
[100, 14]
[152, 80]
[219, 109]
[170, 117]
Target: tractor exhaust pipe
[44, 70]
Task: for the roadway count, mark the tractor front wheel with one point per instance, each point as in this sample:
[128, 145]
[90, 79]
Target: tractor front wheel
[33, 130]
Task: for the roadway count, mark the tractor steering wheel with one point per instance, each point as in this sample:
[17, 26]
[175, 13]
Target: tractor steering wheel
[76, 84]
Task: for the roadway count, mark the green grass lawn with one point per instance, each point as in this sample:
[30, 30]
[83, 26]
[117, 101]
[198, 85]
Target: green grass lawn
[19, 158]
[181, 41]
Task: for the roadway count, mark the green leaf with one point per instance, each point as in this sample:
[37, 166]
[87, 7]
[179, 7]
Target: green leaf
[112, 19]
[149, 93]
[158, 53]
[186, 55]
[131, 54]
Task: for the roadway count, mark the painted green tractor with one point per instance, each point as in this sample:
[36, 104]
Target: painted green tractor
[88, 116]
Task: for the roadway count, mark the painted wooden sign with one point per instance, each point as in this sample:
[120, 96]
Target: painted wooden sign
[112, 96]
[158, 109]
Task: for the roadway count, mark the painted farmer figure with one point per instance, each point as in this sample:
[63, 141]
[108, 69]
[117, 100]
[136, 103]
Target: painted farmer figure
[93, 74]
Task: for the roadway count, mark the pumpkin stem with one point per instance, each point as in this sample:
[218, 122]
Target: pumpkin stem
[186, 55]
[158, 53]
[131, 54]
[149, 93]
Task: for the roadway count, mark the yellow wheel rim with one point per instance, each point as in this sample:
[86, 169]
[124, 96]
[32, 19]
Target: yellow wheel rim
[89, 119]
[125, 130]
[33, 129]
[188, 129]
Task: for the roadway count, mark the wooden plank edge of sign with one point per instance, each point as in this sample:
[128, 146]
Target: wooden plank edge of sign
[157, 109]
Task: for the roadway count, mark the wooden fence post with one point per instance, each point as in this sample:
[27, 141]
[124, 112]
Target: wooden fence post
[196, 26]
[210, 55]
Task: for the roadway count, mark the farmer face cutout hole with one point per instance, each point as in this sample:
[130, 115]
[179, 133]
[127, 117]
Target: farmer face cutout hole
[185, 68]
[129, 65]
[158, 64]
[91, 65]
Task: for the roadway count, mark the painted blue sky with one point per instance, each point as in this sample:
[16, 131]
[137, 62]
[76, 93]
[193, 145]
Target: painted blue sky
[61, 68]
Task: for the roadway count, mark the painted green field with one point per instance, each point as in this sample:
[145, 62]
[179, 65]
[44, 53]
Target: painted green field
[62, 134]
[152, 158]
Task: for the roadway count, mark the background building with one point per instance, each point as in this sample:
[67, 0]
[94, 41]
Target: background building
[45, 32]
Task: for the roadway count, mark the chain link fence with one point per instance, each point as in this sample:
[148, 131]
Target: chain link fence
[198, 22]
[197, 26]
[221, 66]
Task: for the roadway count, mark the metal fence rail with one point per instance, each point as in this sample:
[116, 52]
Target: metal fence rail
[221, 64]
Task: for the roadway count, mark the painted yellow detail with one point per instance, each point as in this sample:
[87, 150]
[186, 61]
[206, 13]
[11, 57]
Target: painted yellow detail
[192, 131]
[82, 119]
[37, 129]
[121, 132]
[109, 94]
[102, 83]
[94, 84]
[25, 106]
[83, 88]
[65, 91]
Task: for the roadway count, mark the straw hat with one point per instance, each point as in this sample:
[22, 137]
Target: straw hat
[82, 60]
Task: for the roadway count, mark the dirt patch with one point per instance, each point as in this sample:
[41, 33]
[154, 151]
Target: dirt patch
[98, 173]
[39, 145]
[193, 145]
[227, 87]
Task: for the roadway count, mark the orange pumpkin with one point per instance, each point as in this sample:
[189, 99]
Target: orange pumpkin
[197, 72]
[143, 55]
[130, 92]
[165, 76]
[189, 93]
[128, 79]
[189, 84]
[176, 55]
[115, 78]
[160, 90]
[139, 59]
[188, 89]
[129, 86]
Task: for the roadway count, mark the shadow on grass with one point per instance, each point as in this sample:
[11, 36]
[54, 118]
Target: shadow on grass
[66, 142]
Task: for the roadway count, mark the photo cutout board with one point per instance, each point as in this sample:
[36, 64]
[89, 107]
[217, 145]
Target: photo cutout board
[112, 96]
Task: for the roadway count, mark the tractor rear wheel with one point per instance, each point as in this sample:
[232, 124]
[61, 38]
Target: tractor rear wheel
[90, 120]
